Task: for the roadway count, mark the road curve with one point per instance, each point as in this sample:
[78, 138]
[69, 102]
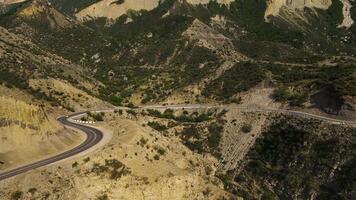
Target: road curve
[93, 137]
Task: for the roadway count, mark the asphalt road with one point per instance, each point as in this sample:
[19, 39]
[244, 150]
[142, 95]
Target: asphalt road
[94, 136]
[294, 113]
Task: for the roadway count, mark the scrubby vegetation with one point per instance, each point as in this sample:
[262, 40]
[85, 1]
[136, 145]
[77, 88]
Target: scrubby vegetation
[301, 159]
[157, 126]
[112, 168]
[240, 78]
[296, 84]
[103, 197]
[16, 195]
[96, 116]
[246, 128]
[149, 56]
[196, 139]
[194, 117]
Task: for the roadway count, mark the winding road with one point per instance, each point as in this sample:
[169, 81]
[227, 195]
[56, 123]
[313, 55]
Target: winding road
[94, 136]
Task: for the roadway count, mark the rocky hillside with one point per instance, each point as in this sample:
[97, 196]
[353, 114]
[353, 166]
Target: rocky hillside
[297, 160]
[60, 56]
[36, 86]
[195, 51]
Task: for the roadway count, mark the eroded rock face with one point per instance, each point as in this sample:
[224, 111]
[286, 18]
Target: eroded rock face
[346, 11]
[289, 9]
[11, 1]
[112, 10]
[274, 6]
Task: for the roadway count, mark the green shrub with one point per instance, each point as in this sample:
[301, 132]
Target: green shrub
[96, 116]
[160, 150]
[156, 157]
[17, 195]
[240, 78]
[143, 141]
[87, 159]
[157, 126]
[246, 128]
[103, 197]
[132, 112]
[215, 135]
[75, 164]
[169, 114]
[32, 190]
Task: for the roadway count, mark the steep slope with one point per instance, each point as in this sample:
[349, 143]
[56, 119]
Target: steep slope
[182, 51]
[29, 131]
[297, 160]
[119, 170]
[275, 6]
[292, 11]
[22, 61]
[113, 9]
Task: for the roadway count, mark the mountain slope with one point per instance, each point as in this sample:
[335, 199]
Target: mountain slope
[64, 56]
[22, 61]
[182, 47]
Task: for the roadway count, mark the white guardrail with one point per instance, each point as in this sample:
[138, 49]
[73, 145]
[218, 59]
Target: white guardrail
[83, 122]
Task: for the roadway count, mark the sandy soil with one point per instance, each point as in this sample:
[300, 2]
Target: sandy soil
[175, 174]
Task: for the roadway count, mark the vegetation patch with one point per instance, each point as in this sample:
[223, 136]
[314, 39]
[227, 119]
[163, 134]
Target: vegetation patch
[196, 139]
[299, 156]
[240, 78]
[194, 117]
[157, 126]
[112, 168]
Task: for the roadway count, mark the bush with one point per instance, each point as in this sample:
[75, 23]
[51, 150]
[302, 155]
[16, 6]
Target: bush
[157, 126]
[240, 78]
[75, 164]
[143, 141]
[131, 105]
[103, 197]
[160, 150]
[215, 136]
[87, 159]
[32, 190]
[132, 112]
[16, 195]
[115, 174]
[246, 128]
[156, 157]
[114, 163]
[285, 94]
[96, 116]
[169, 114]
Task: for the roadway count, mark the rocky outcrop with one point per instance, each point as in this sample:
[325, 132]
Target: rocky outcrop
[7, 2]
[274, 6]
[110, 9]
[346, 11]
[290, 10]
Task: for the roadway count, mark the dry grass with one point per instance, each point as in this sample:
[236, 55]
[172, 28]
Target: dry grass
[13, 111]
[68, 95]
